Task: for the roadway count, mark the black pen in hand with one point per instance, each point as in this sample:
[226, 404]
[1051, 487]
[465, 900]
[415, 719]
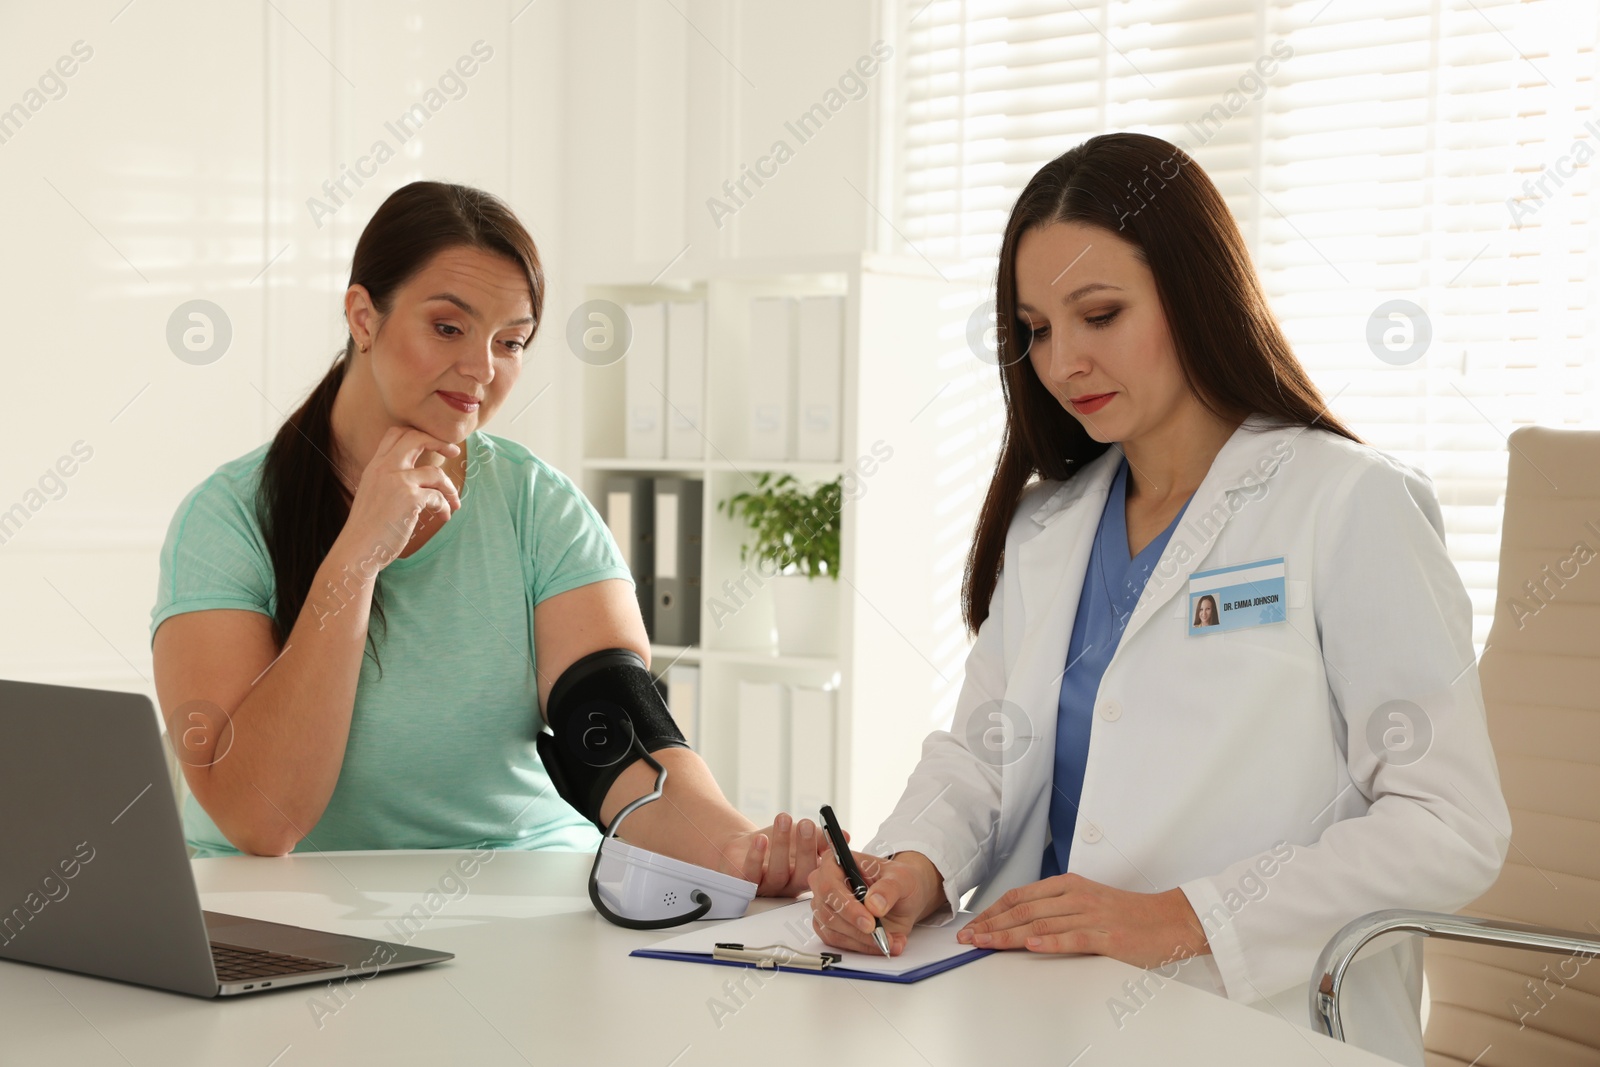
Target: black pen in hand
[852, 873]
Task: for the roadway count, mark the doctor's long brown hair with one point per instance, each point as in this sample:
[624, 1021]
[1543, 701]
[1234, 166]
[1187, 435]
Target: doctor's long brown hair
[1155, 196]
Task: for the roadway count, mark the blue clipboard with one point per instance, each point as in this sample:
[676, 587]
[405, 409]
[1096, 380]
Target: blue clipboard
[914, 975]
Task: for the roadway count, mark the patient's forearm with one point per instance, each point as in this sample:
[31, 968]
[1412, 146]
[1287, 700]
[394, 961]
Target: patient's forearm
[692, 821]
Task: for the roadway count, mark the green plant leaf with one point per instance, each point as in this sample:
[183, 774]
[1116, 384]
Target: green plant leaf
[796, 529]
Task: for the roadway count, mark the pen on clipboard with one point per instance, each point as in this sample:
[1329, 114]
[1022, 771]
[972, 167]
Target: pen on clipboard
[852, 873]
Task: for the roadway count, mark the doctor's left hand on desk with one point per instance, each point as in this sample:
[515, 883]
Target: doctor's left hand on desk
[1071, 914]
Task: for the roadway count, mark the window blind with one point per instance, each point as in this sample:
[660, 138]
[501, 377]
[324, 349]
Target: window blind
[1427, 151]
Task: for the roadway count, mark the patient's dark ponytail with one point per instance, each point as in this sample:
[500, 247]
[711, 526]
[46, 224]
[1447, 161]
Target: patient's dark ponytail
[301, 501]
[303, 504]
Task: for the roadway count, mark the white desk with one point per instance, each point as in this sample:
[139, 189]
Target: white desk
[539, 978]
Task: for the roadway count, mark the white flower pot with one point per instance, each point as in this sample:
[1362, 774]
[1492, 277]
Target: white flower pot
[806, 611]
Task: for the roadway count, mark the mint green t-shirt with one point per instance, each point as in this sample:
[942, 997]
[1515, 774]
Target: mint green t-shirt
[441, 752]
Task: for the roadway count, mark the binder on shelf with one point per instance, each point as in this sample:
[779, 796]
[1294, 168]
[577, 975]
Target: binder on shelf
[762, 791]
[644, 381]
[676, 607]
[819, 370]
[686, 376]
[630, 507]
[811, 733]
[769, 389]
[683, 700]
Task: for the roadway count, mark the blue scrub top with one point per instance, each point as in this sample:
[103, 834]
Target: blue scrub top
[1111, 589]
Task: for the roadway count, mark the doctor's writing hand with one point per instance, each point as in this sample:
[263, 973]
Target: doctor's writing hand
[778, 858]
[900, 891]
[1069, 913]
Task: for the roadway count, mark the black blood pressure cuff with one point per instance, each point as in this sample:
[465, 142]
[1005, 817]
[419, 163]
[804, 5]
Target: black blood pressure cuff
[596, 710]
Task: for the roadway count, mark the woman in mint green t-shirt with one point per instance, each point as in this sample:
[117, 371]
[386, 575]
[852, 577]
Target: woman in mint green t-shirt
[318, 706]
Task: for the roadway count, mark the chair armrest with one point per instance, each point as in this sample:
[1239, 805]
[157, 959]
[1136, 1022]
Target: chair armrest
[1328, 977]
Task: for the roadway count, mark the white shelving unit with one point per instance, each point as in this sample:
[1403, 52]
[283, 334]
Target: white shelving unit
[894, 664]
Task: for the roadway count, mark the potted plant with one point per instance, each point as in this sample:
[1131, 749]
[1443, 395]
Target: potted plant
[796, 546]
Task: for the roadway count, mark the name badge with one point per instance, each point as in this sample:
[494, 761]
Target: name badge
[1233, 598]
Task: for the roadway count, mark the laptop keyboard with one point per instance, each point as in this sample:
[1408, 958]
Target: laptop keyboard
[236, 963]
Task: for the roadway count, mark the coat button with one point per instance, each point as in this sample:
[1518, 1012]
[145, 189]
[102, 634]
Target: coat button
[1089, 834]
[1111, 711]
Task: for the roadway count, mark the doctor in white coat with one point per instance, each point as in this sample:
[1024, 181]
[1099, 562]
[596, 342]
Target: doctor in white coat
[1223, 675]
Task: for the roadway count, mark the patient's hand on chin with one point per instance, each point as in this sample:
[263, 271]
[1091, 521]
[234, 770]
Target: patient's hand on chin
[778, 858]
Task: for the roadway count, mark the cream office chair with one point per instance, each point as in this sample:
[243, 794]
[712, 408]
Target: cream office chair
[1514, 980]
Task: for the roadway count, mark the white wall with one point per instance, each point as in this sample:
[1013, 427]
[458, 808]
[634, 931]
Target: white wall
[177, 165]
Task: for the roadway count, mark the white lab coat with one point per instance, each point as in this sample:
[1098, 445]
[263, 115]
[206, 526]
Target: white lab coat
[1208, 753]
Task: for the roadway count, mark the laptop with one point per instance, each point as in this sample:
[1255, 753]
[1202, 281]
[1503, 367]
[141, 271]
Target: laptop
[94, 873]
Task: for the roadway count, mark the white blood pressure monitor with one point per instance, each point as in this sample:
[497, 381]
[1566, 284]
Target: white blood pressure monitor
[643, 890]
